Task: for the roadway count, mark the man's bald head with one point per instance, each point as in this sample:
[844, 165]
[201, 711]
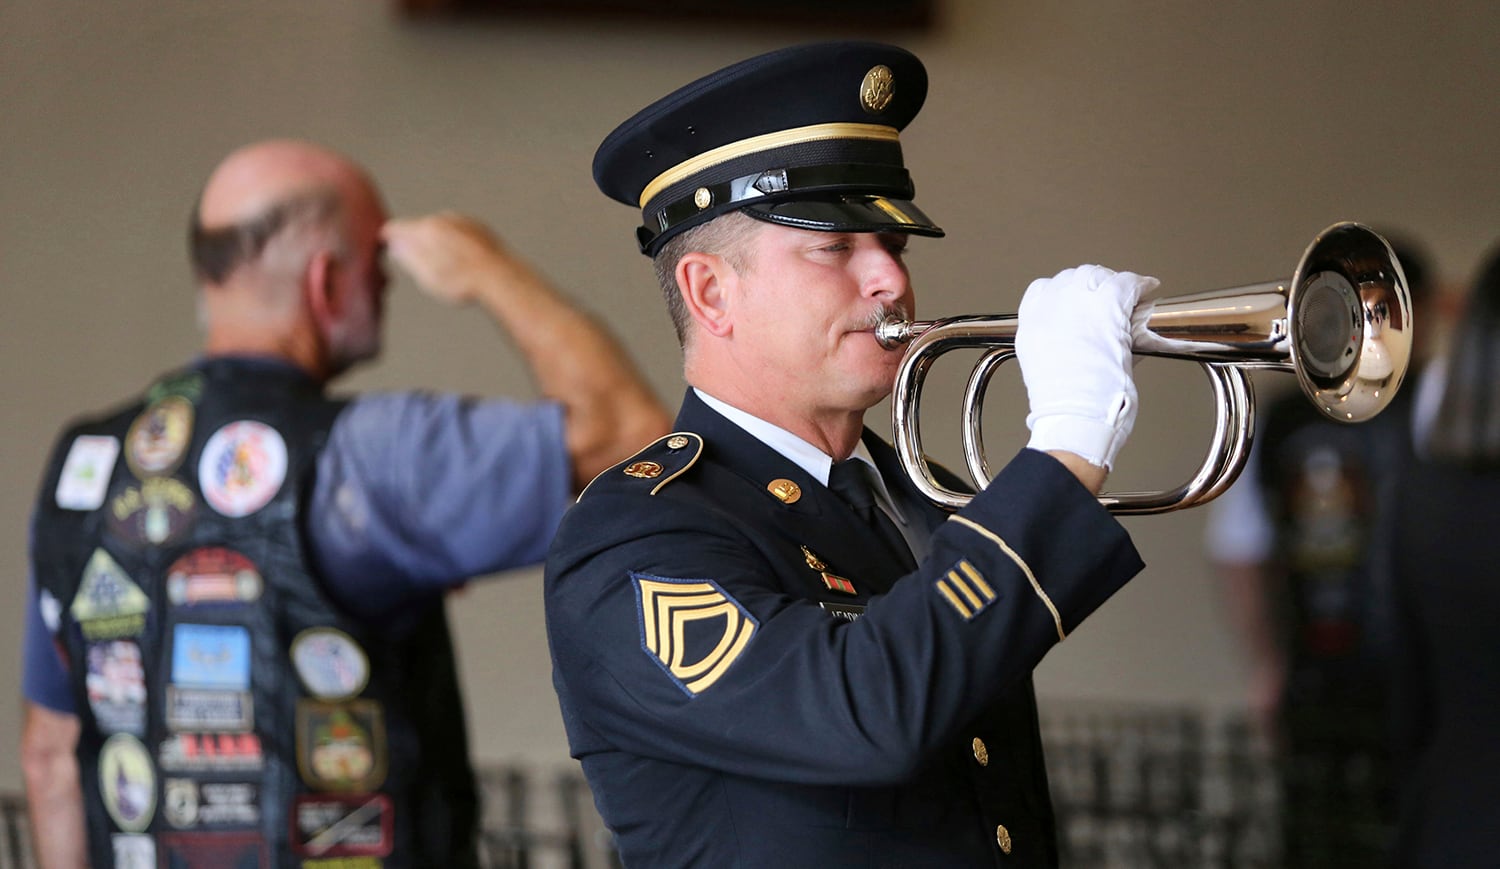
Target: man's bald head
[286, 245]
[264, 188]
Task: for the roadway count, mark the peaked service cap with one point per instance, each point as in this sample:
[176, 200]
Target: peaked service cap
[805, 136]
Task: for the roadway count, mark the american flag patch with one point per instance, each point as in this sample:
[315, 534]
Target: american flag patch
[966, 590]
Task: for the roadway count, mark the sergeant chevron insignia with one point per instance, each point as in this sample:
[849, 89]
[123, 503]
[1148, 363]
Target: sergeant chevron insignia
[692, 628]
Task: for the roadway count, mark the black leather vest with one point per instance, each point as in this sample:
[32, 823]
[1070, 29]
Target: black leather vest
[231, 714]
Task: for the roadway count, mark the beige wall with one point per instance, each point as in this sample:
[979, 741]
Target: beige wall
[1205, 143]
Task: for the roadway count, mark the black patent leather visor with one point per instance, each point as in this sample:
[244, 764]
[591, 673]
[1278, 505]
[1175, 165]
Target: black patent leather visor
[847, 214]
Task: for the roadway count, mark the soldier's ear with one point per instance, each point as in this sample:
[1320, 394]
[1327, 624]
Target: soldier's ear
[708, 284]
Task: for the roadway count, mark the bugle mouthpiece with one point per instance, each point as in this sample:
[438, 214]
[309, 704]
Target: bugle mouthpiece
[894, 333]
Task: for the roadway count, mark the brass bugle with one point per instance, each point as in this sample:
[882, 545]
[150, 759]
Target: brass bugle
[1342, 324]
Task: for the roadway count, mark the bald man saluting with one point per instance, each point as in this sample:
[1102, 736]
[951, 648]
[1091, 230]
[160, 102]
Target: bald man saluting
[236, 651]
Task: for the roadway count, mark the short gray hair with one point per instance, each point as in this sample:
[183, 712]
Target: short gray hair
[724, 236]
[216, 253]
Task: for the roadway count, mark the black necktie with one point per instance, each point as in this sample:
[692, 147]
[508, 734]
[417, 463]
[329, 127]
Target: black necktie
[848, 479]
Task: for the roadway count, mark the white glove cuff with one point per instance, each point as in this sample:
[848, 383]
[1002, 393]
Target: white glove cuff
[1097, 441]
[1145, 339]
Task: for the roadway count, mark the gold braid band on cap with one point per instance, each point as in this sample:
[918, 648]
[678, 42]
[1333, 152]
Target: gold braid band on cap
[1025, 568]
[725, 153]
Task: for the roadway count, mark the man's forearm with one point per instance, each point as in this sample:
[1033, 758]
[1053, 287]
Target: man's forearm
[611, 411]
[54, 799]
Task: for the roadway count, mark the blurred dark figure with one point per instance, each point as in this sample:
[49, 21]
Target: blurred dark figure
[1294, 541]
[1446, 666]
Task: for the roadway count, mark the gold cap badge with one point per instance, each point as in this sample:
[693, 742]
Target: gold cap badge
[644, 470]
[877, 90]
[785, 491]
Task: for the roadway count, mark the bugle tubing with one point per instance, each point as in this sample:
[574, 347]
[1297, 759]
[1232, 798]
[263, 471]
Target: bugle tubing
[1342, 324]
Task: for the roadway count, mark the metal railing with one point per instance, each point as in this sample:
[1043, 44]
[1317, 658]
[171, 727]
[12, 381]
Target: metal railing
[15, 834]
[1134, 787]
[1145, 787]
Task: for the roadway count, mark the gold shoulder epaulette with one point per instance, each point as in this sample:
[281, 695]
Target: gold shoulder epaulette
[653, 467]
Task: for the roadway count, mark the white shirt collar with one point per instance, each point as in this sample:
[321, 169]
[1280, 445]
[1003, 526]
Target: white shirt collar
[801, 453]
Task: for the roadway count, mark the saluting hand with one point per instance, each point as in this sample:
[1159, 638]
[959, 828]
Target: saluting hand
[451, 256]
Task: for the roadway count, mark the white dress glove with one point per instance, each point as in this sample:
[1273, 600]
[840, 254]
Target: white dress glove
[1073, 343]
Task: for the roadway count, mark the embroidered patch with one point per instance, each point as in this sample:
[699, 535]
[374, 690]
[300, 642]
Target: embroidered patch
[189, 803]
[159, 437]
[210, 675]
[108, 605]
[211, 656]
[210, 752]
[343, 863]
[330, 664]
[332, 826]
[127, 782]
[341, 746]
[207, 709]
[692, 628]
[116, 686]
[242, 467]
[133, 850]
[86, 472]
[212, 575]
[213, 850]
[156, 512]
[965, 590]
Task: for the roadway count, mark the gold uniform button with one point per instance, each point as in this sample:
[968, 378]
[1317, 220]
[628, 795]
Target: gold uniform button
[1002, 838]
[981, 753]
[676, 442]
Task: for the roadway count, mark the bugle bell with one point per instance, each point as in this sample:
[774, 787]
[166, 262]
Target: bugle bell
[1342, 323]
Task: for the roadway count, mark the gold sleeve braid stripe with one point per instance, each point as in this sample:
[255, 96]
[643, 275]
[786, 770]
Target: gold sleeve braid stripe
[966, 590]
[1025, 568]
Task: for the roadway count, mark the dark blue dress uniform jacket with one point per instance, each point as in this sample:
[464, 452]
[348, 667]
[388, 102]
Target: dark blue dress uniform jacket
[734, 705]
